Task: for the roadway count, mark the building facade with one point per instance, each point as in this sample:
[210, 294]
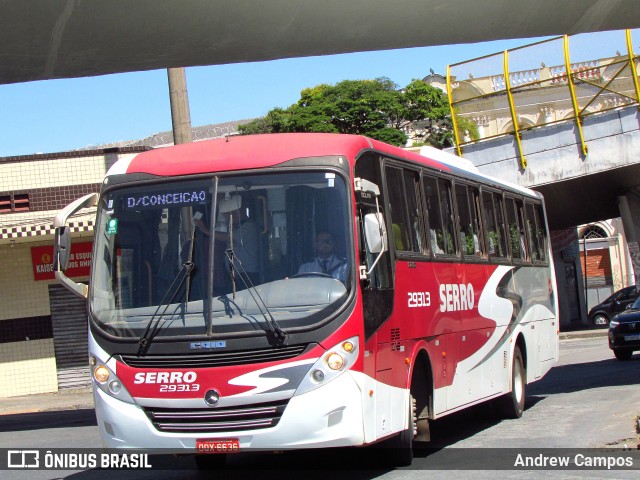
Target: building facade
[43, 328]
[604, 260]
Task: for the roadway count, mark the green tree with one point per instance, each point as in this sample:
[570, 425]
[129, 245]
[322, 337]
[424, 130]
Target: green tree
[375, 108]
[466, 127]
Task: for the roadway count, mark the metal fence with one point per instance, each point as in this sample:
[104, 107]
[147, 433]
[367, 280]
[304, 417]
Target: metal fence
[556, 80]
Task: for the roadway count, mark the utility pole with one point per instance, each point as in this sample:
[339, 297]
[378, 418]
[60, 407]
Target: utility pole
[180, 115]
[181, 123]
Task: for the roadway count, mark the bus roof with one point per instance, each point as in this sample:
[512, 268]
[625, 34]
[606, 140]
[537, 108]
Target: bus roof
[246, 152]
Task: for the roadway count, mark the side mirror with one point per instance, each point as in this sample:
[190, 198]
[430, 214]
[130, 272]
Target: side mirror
[62, 249]
[62, 243]
[375, 230]
[375, 233]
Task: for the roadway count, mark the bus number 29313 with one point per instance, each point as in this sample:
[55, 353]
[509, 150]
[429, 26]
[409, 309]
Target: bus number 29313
[419, 299]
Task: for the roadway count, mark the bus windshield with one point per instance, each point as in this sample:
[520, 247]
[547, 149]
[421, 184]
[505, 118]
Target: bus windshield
[221, 255]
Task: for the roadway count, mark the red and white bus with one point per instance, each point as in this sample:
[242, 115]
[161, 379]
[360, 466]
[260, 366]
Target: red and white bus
[207, 334]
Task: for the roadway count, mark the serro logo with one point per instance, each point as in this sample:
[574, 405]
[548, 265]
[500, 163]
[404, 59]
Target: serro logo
[165, 377]
[456, 296]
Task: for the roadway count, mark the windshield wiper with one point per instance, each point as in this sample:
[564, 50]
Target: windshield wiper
[153, 326]
[279, 334]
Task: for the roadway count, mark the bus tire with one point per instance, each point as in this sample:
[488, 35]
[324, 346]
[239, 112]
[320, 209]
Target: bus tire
[511, 405]
[399, 449]
[211, 461]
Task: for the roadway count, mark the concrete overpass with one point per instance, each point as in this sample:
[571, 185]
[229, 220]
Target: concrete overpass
[577, 189]
[45, 39]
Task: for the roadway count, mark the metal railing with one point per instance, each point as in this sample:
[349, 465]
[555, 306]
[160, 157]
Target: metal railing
[489, 95]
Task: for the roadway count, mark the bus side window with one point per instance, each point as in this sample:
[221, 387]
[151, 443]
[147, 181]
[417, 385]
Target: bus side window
[412, 189]
[403, 201]
[517, 237]
[494, 222]
[468, 218]
[535, 232]
[440, 213]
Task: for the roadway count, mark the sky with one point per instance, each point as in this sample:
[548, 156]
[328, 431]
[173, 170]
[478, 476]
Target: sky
[58, 115]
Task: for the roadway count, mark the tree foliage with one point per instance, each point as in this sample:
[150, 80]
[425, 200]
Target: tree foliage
[375, 108]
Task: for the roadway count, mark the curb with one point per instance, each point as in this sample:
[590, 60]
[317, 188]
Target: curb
[583, 334]
[71, 399]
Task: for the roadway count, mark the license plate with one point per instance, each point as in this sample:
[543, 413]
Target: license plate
[217, 445]
[631, 338]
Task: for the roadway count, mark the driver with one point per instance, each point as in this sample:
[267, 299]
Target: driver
[326, 262]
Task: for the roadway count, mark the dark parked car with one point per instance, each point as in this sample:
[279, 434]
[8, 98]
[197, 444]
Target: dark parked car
[624, 332]
[616, 303]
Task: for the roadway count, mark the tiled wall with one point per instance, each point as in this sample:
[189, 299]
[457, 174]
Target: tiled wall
[53, 198]
[49, 173]
[27, 367]
[27, 357]
[20, 295]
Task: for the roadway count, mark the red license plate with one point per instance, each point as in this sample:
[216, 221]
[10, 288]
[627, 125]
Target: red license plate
[217, 445]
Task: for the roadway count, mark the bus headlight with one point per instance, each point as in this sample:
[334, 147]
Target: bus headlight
[331, 365]
[334, 361]
[101, 374]
[115, 387]
[106, 380]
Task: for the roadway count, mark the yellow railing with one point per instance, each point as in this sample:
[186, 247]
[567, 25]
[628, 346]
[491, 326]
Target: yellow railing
[505, 94]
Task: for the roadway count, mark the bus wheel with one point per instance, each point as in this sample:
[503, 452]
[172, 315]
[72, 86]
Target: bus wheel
[400, 448]
[512, 404]
[210, 461]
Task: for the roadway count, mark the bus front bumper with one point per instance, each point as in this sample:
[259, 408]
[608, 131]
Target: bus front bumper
[329, 416]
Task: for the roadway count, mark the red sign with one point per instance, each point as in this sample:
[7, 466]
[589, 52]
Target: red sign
[79, 261]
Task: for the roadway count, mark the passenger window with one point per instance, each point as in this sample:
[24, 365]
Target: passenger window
[469, 234]
[411, 181]
[493, 217]
[515, 222]
[404, 214]
[536, 232]
[439, 210]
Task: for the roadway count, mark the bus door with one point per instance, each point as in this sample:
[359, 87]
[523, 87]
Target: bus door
[376, 286]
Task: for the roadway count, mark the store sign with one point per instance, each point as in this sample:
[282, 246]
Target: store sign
[79, 261]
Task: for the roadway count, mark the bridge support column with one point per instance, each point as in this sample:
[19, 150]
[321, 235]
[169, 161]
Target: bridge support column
[629, 205]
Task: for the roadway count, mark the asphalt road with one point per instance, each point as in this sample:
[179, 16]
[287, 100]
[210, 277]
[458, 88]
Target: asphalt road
[588, 400]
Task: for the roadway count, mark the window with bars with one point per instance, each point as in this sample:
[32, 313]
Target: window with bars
[17, 202]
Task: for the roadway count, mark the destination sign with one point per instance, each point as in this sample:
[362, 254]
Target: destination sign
[137, 201]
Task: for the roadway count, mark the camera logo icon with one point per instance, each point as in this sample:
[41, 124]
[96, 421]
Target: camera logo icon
[23, 459]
